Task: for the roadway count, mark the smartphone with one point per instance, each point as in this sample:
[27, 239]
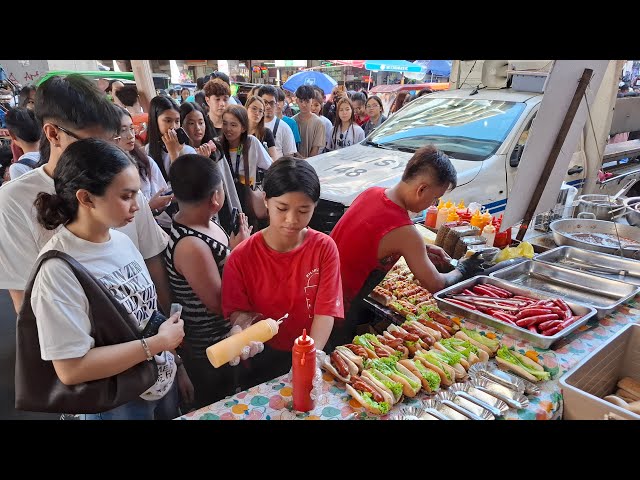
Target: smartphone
[167, 193]
[182, 136]
[175, 308]
[235, 220]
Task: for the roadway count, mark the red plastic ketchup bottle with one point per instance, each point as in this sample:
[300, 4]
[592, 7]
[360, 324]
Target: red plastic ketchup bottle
[304, 368]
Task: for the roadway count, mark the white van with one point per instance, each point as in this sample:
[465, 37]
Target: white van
[482, 132]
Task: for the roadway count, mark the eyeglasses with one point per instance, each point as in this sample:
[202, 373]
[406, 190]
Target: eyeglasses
[68, 132]
[256, 110]
[128, 131]
[74, 135]
[272, 103]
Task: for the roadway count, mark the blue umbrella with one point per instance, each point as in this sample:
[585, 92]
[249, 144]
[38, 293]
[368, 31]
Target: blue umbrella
[392, 66]
[311, 78]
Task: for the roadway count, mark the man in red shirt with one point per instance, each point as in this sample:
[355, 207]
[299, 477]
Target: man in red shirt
[285, 268]
[376, 230]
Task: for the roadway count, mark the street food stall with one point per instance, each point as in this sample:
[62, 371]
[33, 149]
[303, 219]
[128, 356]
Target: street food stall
[584, 298]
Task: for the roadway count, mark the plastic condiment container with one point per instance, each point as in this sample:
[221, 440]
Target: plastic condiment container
[443, 213]
[465, 215]
[432, 216]
[477, 220]
[303, 363]
[489, 234]
[231, 347]
[453, 215]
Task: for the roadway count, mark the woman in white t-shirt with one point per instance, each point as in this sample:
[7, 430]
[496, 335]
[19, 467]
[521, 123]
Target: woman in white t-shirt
[316, 107]
[152, 183]
[235, 140]
[96, 186]
[346, 131]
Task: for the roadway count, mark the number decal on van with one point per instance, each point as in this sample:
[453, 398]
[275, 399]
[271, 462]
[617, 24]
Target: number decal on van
[348, 171]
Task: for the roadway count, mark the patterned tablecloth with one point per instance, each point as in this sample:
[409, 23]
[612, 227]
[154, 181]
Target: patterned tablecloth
[272, 400]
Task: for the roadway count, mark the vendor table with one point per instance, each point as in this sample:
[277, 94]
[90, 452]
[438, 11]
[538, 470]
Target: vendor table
[272, 400]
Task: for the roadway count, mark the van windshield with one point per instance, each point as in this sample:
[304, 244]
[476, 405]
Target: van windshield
[464, 129]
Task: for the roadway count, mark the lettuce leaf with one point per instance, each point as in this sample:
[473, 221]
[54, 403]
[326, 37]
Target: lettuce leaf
[395, 387]
[432, 377]
[368, 398]
[388, 364]
[371, 338]
[362, 341]
[431, 358]
[492, 344]
[505, 354]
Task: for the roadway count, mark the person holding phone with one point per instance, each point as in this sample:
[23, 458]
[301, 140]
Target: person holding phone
[197, 250]
[96, 184]
[152, 183]
[164, 127]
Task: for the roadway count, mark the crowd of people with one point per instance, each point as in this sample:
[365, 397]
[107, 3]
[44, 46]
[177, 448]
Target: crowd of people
[212, 213]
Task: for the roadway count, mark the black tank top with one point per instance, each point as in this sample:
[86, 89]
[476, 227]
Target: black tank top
[201, 327]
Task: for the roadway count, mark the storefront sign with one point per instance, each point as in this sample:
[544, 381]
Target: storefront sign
[291, 63]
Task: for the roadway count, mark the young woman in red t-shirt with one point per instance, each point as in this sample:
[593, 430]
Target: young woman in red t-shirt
[285, 268]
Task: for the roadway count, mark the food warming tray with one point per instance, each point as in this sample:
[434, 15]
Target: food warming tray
[535, 339]
[604, 294]
[591, 262]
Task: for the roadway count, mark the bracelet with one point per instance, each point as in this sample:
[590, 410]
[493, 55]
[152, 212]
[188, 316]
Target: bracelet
[146, 349]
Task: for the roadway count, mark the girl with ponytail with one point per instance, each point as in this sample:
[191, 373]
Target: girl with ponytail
[96, 184]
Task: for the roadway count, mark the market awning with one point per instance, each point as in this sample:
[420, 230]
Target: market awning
[391, 66]
[349, 63]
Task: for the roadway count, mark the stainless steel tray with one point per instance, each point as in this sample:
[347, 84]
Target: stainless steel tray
[510, 397]
[604, 294]
[512, 330]
[479, 396]
[510, 380]
[589, 262]
[464, 406]
[417, 413]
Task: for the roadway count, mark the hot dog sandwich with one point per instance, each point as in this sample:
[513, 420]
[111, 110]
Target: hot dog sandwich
[369, 396]
[521, 365]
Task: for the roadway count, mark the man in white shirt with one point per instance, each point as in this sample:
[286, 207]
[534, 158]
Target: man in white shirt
[285, 143]
[70, 109]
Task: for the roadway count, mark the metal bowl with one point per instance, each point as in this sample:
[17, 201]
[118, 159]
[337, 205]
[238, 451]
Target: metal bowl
[599, 205]
[633, 210]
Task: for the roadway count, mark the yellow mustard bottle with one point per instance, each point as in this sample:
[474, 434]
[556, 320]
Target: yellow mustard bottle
[476, 219]
[453, 215]
[231, 347]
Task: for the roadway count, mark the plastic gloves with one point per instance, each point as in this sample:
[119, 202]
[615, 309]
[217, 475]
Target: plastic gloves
[250, 350]
[471, 266]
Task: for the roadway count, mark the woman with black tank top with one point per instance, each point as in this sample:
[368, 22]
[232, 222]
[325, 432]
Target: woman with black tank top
[195, 255]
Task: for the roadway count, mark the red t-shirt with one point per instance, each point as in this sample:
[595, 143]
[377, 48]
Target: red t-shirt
[303, 282]
[362, 120]
[358, 233]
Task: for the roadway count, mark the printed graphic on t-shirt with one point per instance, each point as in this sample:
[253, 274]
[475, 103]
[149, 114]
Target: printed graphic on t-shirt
[134, 290]
[313, 277]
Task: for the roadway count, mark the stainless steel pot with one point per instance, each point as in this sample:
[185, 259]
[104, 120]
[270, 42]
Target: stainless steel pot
[564, 231]
[633, 210]
[599, 205]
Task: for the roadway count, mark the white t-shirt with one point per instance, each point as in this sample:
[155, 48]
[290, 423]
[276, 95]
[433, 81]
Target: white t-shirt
[328, 127]
[154, 182]
[17, 169]
[258, 157]
[285, 141]
[62, 310]
[353, 135]
[22, 237]
[166, 159]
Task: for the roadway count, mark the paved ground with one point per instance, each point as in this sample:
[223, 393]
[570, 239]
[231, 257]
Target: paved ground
[7, 365]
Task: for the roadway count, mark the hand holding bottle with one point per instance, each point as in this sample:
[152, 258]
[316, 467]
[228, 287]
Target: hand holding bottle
[248, 351]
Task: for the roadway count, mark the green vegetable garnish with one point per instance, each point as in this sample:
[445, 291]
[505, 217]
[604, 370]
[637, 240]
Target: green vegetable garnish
[505, 354]
[492, 344]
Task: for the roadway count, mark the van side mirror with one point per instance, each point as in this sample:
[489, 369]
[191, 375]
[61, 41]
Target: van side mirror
[514, 160]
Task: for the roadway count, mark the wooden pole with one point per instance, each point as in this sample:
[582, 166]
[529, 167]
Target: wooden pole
[144, 81]
[555, 151]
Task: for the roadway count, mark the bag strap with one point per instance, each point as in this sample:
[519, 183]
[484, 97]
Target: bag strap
[29, 162]
[245, 160]
[275, 127]
[84, 277]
